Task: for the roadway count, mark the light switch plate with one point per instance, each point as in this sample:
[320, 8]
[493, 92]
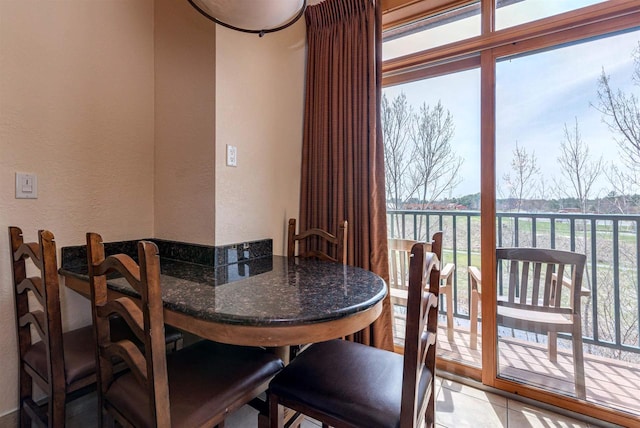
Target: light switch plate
[232, 155]
[26, 185]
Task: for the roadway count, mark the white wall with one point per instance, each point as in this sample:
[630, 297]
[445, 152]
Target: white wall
[259, 109]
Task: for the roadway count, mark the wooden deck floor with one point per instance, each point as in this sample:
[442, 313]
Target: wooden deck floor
[609, 382]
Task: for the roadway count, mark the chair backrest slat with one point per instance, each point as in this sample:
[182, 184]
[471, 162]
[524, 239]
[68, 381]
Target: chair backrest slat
[557, 302]
[535, 278]
[149, 363]
[421, 333]
[318, 243]
[399, 255]
[399, 252]
[34, 285]
[45, 317]
[535, 292]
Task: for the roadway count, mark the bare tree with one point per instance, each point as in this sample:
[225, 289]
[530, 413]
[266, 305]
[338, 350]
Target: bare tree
[624, 187]
[436, 165]
[581, 172]
[544, 190]
[621, 113]
[522, 177]
[577, 167]
[420, 162]
[396, 121]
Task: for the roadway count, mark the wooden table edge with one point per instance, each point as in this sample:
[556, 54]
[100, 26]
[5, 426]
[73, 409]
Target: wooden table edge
[254, 335]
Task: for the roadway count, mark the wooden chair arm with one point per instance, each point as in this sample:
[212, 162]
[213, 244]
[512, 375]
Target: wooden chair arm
[476, 278]
[447, 271]
[566, 282]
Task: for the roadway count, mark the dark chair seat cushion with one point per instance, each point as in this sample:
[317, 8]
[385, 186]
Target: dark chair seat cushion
[357, 384]
[79, 355]
[79, 350]
[204, 380]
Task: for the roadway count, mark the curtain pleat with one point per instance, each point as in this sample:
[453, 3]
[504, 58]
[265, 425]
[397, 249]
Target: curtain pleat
[342, 173]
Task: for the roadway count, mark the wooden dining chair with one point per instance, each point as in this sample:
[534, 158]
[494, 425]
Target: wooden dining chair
[399, 252]
[196, 386]
[318, 243]
[347, 384]
[58, 363]
[535, 301]
[62, 364]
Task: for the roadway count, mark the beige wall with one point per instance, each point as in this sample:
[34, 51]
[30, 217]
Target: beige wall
[259, 109]
[112, 104]
[184, 123]
[76, 108]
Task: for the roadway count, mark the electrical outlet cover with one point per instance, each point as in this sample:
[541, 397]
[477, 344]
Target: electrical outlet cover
[232, 155]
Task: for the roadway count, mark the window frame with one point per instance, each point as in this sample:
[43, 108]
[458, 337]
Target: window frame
[484, 51]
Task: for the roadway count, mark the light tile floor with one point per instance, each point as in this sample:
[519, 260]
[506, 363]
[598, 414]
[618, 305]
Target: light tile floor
[457, 406]
[460, 406]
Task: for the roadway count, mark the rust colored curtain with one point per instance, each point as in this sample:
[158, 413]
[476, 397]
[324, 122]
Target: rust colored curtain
[343, 153]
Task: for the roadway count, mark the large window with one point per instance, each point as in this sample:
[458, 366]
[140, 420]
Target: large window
[550, 159]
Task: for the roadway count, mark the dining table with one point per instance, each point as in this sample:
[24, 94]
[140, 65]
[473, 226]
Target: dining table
[270, 301]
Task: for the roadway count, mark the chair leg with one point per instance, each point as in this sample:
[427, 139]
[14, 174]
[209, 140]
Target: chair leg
[24, 421]
[276, 412]
[57, 407]
[578, 359]
[552, 338]
[473, 319]
[449, 297]
[263, 419]
[26, 389]
[107, 422]
[430, 415]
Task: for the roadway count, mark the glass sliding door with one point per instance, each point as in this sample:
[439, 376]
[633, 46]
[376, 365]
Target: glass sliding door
[431, 132]
[567, 162]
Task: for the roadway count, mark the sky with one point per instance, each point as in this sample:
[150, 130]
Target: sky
[536, 95]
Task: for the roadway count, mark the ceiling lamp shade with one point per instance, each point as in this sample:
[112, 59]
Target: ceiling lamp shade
[252, 16]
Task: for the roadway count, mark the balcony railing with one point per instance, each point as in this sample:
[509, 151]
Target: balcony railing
[610, 242]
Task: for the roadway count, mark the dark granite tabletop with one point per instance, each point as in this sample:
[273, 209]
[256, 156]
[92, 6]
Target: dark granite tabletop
[266, 291]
